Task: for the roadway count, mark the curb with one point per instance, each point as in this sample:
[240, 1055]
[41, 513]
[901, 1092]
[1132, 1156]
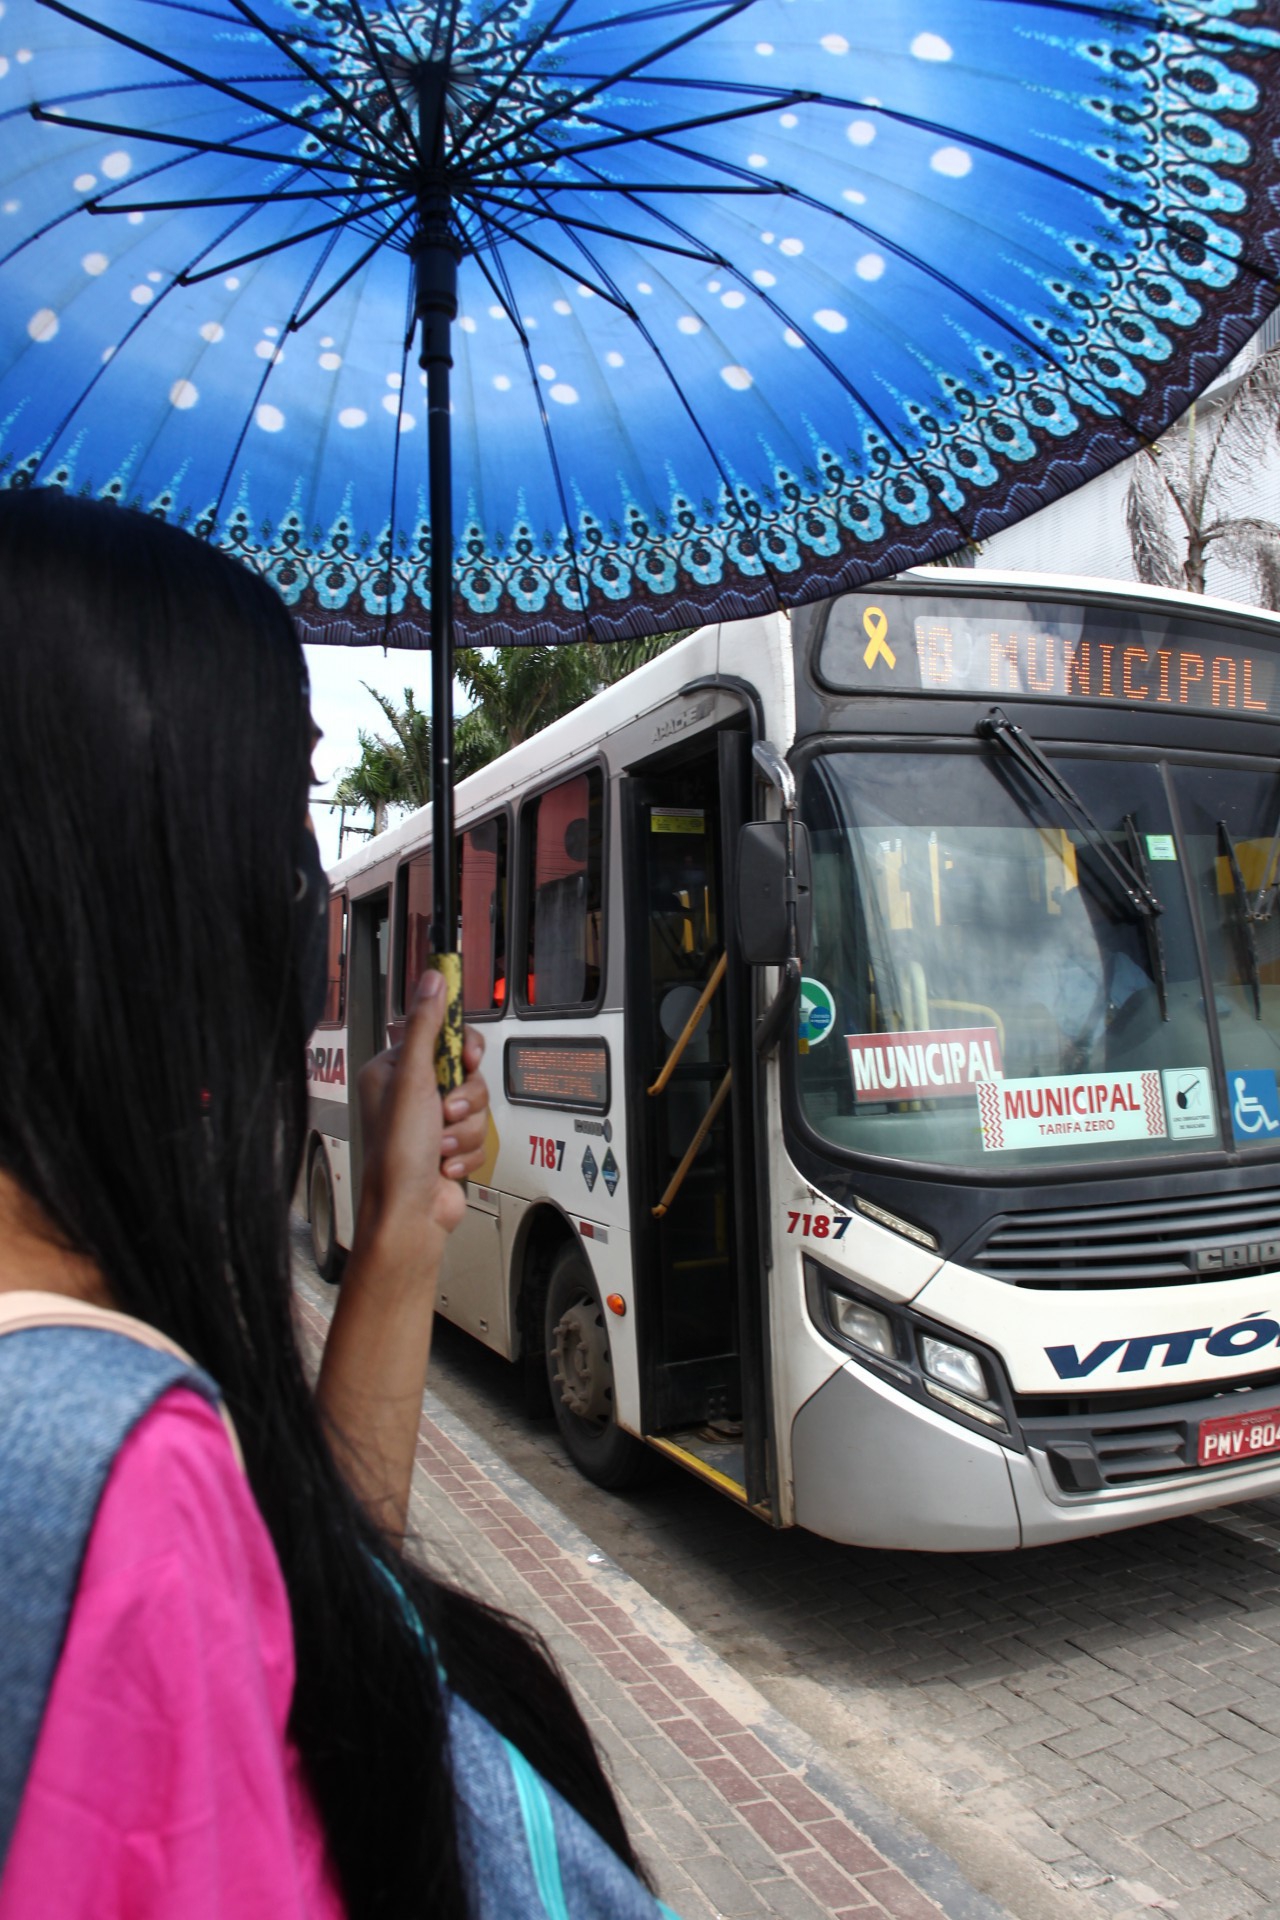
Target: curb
[932, 1870]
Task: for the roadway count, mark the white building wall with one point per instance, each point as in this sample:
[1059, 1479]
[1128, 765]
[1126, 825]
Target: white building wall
[1086, 533]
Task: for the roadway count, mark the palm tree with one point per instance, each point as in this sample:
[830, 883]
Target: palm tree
[1176, 507]
[520, 690]
[517, 691]
[394, 772]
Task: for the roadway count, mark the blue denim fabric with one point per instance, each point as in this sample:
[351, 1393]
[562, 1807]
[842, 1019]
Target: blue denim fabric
[69, 1398]
[527, 1854]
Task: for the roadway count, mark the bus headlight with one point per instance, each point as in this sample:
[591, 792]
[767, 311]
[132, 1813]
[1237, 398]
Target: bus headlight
[954, 1367]
[862, 1324]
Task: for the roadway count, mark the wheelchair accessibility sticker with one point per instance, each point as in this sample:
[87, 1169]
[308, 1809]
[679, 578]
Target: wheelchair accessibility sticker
[1255, 1103]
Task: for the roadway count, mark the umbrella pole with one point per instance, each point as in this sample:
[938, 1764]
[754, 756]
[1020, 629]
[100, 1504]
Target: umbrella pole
[436, 284]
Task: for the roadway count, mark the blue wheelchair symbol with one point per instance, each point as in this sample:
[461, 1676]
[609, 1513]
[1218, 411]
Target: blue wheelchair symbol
[1255, 1104]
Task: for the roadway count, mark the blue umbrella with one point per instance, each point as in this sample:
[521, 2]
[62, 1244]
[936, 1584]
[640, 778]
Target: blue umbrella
[745, 301]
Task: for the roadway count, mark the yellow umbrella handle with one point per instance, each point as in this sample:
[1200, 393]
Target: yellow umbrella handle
[449, 1045]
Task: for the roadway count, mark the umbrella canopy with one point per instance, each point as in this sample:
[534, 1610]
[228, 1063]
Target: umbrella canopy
[755, 301]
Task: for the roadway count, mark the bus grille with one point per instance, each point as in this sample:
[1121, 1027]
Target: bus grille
[1146, 1243]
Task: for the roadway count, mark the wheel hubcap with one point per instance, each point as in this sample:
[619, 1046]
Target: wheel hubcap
[583, 1372]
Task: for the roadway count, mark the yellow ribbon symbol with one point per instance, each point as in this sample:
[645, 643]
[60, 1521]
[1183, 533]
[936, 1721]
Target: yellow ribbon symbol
[876, 624]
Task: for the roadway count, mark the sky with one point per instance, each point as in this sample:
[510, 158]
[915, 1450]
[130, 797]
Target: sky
[341, 706]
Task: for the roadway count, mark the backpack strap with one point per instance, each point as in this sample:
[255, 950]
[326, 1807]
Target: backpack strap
[75, 1381]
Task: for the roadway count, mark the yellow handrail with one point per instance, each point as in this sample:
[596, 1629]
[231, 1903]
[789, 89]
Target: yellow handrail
[704, 1127]
[690, 1025]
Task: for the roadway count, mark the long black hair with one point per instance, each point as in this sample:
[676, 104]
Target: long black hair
[154, 760]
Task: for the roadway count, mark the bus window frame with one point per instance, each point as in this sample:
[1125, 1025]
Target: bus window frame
[518, 944]
[400, 912]
[340, 897]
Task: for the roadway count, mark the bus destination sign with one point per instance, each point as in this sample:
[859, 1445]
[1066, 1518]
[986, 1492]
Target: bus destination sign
[1048, 650]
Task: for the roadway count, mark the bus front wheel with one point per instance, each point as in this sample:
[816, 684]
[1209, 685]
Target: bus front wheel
[580, 1376]
[325, 1251]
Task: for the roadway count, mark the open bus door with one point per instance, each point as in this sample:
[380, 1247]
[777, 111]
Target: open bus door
[694, 1178]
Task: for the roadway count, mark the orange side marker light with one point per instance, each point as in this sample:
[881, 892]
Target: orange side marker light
[616, 1304]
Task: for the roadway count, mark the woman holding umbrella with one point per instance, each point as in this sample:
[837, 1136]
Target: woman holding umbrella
[224, 1689]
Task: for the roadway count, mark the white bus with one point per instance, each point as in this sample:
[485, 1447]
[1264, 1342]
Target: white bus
[908, 1166]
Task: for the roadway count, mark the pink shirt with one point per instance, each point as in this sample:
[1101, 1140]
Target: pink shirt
[164, 1785]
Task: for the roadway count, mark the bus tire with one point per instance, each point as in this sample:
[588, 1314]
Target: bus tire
[329, 1257]
[580, 1376]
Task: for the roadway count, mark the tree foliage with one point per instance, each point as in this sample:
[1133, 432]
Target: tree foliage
[1177, 504]
[516, 690]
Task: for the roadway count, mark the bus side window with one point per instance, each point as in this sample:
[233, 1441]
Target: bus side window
[335, 995]
[484, 919]
[563, 857]
[416, 879]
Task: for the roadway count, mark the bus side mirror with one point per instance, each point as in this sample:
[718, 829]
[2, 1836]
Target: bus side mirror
[762, 892]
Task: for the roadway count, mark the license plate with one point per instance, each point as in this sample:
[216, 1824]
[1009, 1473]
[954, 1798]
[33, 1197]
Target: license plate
[1238, 1436]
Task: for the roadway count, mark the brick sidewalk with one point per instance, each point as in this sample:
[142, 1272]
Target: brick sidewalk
[728, 1808]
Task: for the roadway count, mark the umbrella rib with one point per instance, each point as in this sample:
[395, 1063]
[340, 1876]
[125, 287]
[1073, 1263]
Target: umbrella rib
[96, 207]
[296, 325]
[406, 125]
[640, 16]
[500, 267]
[566, 220]
[852, 392]
[568, 107]
[690, 413]
[291, 326]
[527, 53]
[513, 234]
[395, 473]
[140, 319]
[287, 46]
[342, 220]
[60, 219]
[653, 136]
[174, 65]
[192, 145]
[1006, 326]
[756, 190]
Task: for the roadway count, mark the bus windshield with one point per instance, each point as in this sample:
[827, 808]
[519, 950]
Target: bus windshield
[980, 992]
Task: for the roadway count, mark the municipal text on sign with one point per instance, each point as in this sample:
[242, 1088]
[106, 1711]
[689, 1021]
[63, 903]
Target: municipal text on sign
[1055, 650]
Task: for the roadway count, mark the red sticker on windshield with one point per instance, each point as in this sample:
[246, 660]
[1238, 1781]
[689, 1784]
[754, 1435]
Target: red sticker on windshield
[936, 1064]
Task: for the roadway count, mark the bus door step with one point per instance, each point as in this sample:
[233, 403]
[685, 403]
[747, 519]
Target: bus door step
[711, 1454]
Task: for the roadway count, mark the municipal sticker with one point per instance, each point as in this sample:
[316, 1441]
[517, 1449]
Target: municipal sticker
[1160, 847]
[1255, 1103]
[590, 1170]
[817, 1014]
[1189, 1103]
[1085, 1109]
[942, 1061]
[612, 1173]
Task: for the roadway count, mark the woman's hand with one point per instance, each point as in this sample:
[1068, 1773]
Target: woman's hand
[418, 1150]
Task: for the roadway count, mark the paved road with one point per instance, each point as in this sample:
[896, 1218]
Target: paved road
[1091, 1728]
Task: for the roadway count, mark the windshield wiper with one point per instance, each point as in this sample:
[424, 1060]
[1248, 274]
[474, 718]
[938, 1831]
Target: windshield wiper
[1259, 913]
[1151, 923]
[1246, 916]
[1129, 877]
[1132, 886]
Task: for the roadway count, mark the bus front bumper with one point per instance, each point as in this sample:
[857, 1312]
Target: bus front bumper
[875, 1469]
